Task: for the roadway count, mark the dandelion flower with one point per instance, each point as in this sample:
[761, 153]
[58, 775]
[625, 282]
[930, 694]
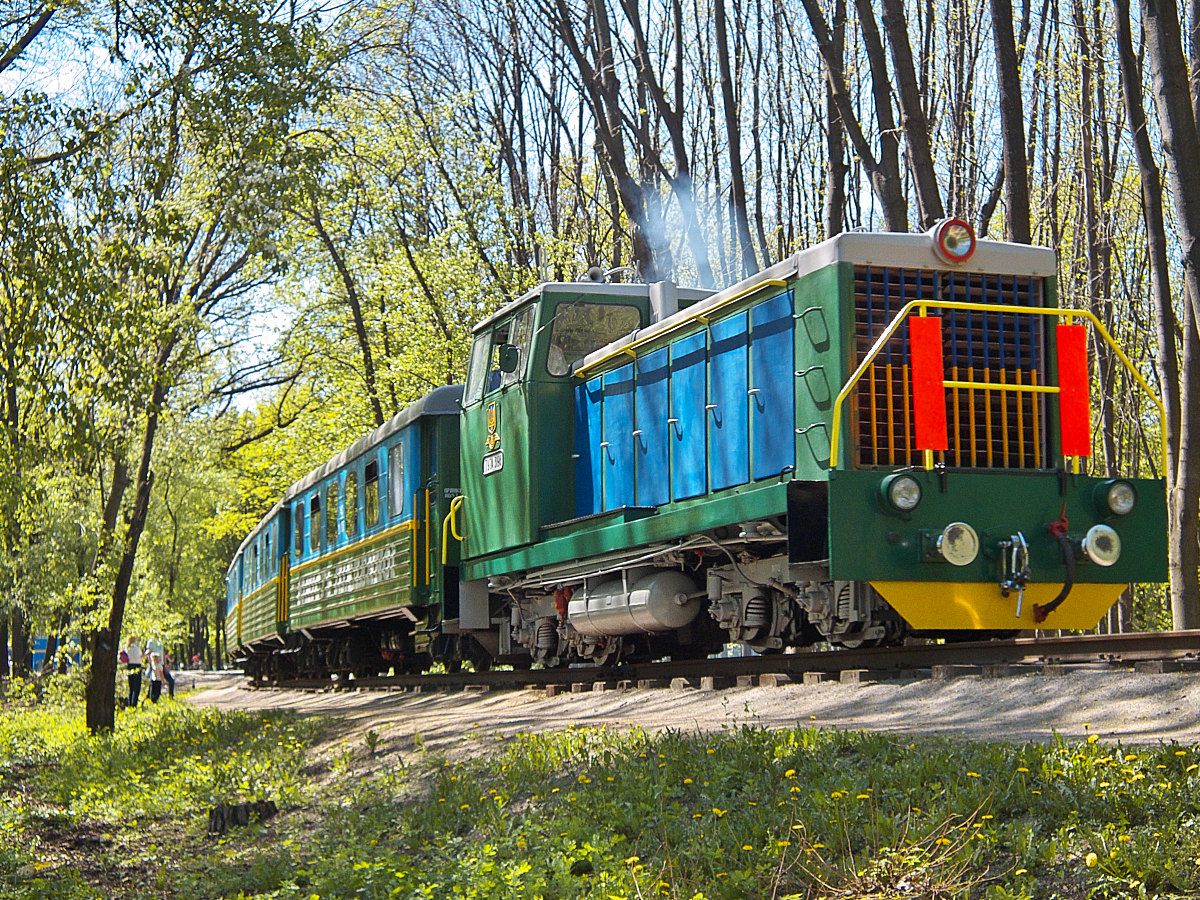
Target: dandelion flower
[687, 781]
[1091, 859]
[747, 847]
[1092, 738]
[863, 797]
[974, 775]
[790, 773]
[942, 840]
[718, 812]
[1022, 769]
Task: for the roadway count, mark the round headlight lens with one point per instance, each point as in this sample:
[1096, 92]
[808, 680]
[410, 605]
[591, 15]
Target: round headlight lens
[903, 492]
[1102, 545]
[1120, 498]
[959, 544]
[954, 240]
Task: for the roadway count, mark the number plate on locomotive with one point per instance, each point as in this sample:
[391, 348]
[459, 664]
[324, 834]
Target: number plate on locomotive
[493, 462]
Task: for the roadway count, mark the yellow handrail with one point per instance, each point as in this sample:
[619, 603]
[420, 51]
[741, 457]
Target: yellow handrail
[450, 527]
[924, 305]
[698, 317]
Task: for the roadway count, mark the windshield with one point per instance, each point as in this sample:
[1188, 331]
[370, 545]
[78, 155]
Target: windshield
[580, 328]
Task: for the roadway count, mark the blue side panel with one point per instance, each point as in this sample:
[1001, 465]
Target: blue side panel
[651, 447]
[412, 467]
[773, 407]
[587, 448]
[729, 443]
[689, 477]
[618, 435]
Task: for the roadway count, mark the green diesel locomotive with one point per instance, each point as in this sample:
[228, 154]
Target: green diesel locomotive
[882, 435]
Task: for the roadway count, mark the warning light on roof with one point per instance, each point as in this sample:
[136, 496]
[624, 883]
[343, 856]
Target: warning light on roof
[953, 240]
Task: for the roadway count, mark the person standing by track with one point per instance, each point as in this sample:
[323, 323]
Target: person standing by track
[168, 676]
[131, 658]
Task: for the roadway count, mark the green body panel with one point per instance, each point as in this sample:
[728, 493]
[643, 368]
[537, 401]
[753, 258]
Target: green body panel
[824, 309]
[620, 530]
[498, 514]
[258, 614]
[342, 586]
[868, 543]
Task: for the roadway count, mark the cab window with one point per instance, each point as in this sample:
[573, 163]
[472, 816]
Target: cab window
[581, 328]
[519, 336]
[484, 375]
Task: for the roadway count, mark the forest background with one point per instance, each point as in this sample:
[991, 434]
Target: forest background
[236, 235]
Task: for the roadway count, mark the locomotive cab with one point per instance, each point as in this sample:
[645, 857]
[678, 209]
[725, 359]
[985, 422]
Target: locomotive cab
[517, 440]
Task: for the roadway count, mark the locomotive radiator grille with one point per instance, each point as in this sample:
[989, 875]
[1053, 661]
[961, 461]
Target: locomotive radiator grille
[986, 428]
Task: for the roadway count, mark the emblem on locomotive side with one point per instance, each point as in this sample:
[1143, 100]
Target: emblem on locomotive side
[492, 441]
[493, 460]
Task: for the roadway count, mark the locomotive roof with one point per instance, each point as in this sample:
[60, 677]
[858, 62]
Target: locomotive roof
[898, 251]
[441, 401]
[582, 289]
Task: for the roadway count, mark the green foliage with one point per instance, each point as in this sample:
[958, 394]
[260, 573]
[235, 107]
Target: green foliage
[132, 791]
[589, 812]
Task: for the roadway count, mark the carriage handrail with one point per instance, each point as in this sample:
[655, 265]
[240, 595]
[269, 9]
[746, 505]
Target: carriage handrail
[925, 305]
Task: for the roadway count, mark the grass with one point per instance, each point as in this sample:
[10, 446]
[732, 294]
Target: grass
[585, 813]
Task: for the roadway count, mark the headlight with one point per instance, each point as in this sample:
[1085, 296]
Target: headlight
[959, 544]
[953, 240]
[1116, 498]
[1102, 545]
[901, 492]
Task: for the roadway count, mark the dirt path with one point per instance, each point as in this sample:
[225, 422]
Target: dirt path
[1117, 706]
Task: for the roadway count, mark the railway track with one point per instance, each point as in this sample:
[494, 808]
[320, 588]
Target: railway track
[1149, 651]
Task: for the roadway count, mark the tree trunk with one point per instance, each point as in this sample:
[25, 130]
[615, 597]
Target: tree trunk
[883, 171]
[733, 136]
[22, 657]
[5, 669]
[100, 695]
[912, 115]
[1183, 569]
[1012, 124]
[835, 132]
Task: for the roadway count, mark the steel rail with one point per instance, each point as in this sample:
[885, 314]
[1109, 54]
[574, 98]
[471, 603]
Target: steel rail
[1073, 649]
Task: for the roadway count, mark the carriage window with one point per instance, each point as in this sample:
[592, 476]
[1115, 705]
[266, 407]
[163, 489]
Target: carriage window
[268, 568]
[299, 530]
[351, 504]
[255, 566]
[580, 328]
[331, 511]
[371, 493]
[396, 480]
[314, 522]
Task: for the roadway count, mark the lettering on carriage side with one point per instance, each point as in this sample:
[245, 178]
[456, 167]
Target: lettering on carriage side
[378, 566]
[493, 462]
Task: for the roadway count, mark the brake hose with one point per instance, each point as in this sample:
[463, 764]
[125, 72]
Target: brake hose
[1059, 528]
